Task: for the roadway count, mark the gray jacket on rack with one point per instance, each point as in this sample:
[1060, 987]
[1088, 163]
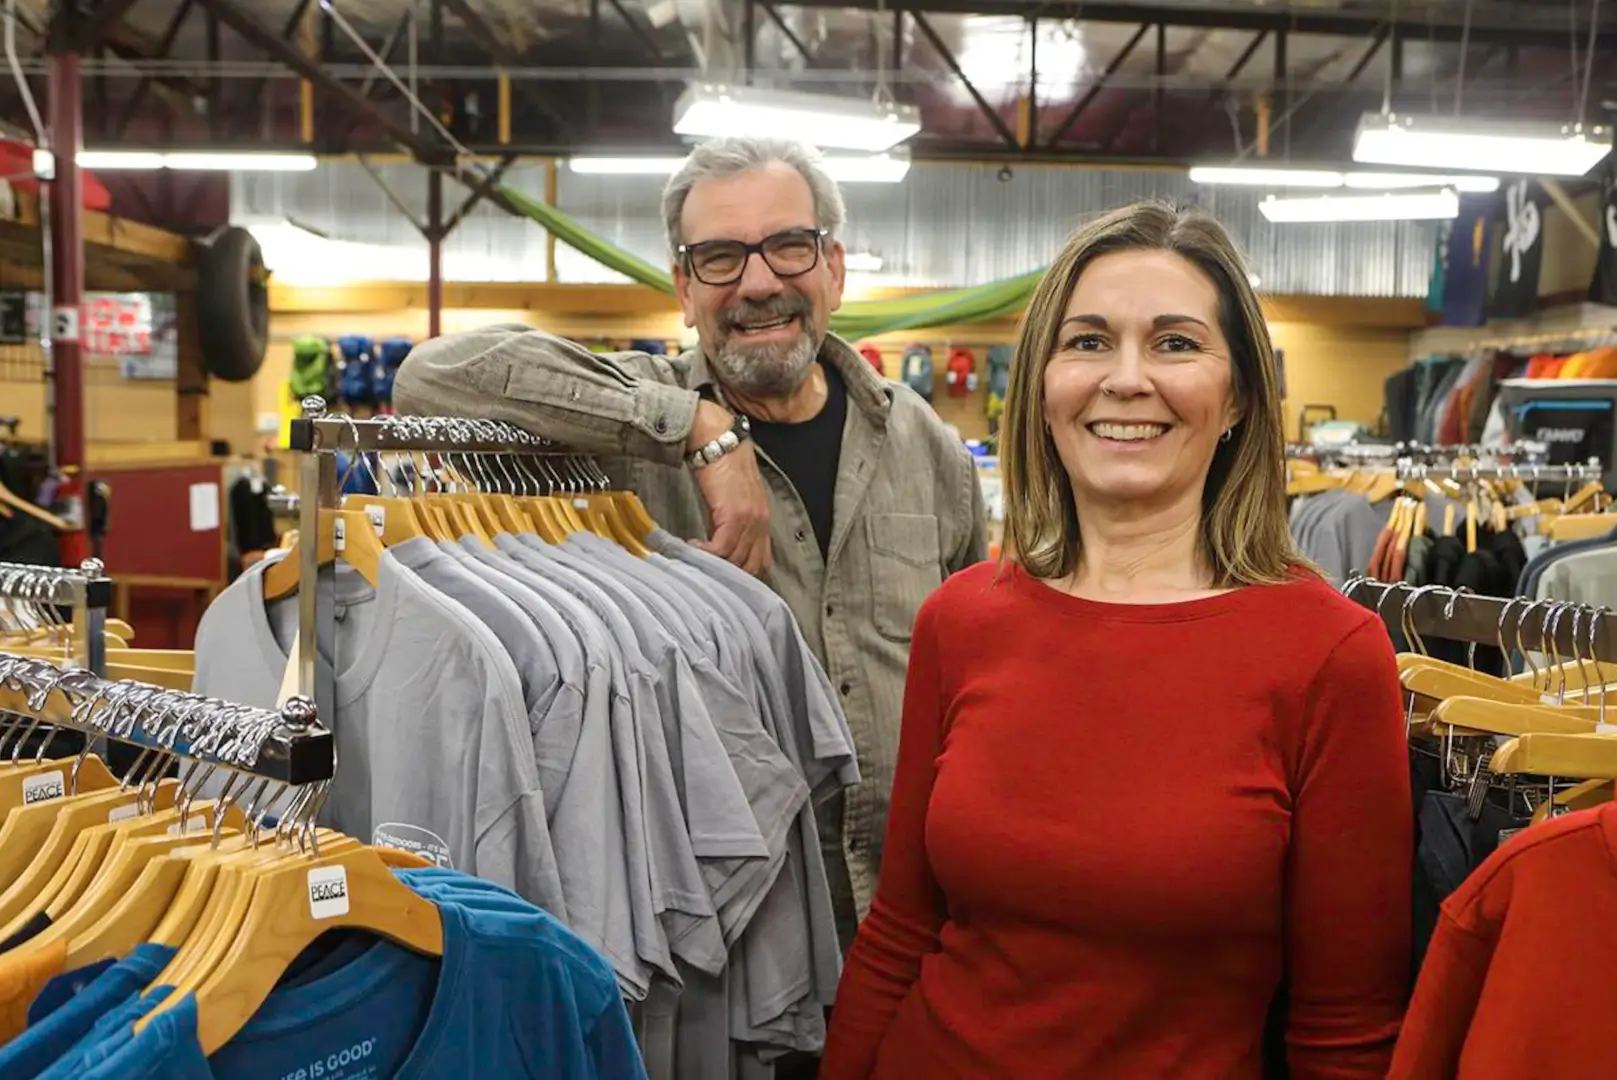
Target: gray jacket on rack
[908, 512]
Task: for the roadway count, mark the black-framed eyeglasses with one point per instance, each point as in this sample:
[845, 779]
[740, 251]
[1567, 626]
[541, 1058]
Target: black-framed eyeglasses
[789, 254]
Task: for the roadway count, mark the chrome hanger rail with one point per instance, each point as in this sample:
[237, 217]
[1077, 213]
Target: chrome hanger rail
[39, 590]
[1554, 628]
[1484, 470]
[288, 745]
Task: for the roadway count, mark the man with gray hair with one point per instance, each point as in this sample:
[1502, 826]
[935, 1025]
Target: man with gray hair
[773, 444]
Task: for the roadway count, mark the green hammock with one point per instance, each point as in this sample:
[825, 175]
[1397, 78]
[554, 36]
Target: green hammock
[857, 319]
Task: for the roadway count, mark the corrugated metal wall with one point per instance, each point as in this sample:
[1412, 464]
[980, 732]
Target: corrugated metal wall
[946, 225]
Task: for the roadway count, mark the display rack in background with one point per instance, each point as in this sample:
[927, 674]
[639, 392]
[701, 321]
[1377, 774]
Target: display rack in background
[1557, 387]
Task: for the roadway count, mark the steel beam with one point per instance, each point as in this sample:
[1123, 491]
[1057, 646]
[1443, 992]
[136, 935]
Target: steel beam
[1542, 32]
[639, 32]
[399, 204]
[503, 55]
[1032, 138]
[435, 253]
[797, 42]
[164, 46]
[480, 191]
[66, 261]
[92, 28]
[1284, 99]
[1156, 91]
[216, 85]
[288, 28]
[342, 94]
[368, 88]
[1006, 135]
[1094, 91]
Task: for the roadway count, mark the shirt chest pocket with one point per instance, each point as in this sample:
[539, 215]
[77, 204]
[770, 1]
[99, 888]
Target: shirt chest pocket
[905, 566]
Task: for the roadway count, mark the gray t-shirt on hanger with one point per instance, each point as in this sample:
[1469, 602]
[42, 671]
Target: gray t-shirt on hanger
[433, 747]
[530, 653]
[583, 780]
[687, 844]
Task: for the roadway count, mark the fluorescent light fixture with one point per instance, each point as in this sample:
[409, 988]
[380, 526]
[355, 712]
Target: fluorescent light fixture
[1445, 142]
[1258, 176]
[1393, 206]
[196, 162]
[846, 169]
[842, 123]
[862, 262]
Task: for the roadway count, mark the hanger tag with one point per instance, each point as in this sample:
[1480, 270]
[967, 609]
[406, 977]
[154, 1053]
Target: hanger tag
[339, 535]
[328, 892]
[194, 827]
[43, 788]
[121, 813]
[378, 516]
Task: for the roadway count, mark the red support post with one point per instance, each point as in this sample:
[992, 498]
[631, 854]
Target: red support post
[435, 253]
[66, 214]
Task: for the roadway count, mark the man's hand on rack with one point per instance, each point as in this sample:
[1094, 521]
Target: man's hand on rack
[737, 498]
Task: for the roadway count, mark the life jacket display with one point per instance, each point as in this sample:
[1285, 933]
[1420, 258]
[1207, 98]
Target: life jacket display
[961, 373]
[389, 355]
[872, 357]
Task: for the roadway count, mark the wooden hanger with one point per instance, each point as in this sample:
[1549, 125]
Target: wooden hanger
[72, 821]
[1590, 757]
[24, 786]
[1569, 527]
[10, 500]
[1484, 715]
[95, 886]
[291, 905]
[359, 548]
[395, 518]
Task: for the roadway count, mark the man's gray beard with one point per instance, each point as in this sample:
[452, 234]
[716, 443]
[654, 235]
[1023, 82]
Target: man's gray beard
[765, 371]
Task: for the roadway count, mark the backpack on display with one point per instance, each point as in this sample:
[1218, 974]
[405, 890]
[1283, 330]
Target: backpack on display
[311, 368]
[917, 370]
[389, 355]
[357, 380]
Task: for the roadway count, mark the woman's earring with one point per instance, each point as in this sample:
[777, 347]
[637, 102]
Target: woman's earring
[1229, 433]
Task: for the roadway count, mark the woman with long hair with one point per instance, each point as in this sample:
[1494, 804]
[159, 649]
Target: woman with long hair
[1152, 794]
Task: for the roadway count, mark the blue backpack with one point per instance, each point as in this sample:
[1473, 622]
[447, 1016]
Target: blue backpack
[389, 355]
[357, 382]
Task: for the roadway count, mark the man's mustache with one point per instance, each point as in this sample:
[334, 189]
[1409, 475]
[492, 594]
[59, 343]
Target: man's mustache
[784, 307]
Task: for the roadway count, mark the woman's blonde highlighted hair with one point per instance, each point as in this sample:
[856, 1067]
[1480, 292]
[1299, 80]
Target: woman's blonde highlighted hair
[1246, 536]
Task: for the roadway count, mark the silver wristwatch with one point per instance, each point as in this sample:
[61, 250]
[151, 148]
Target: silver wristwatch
[704, 456]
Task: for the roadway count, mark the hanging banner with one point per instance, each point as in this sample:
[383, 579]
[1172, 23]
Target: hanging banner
[1603, 289]
[1521, 253]
[1467, 242]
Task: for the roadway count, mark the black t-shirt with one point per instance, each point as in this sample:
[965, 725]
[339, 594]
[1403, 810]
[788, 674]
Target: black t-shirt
[809, 453]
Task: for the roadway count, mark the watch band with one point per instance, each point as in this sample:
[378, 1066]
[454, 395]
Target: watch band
[706, 455]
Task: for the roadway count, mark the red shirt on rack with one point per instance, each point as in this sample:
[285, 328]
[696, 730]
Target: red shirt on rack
[1114, 828]
[1516, 982]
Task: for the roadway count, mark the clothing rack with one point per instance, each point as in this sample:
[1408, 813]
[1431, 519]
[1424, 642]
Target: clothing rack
[1548, 474]
[1558, 628]
[288, 745]
[1521, 451]
[87, 591]
[319, 438]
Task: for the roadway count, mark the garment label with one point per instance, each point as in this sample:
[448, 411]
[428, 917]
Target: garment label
[124, 813]
[339, 535]
[415, 840]
[328, 892]
[191, 827]
[351, 1063]
[42, 788]
[378, 516]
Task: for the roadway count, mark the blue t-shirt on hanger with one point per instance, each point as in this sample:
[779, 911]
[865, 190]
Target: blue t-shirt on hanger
[516, 994]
